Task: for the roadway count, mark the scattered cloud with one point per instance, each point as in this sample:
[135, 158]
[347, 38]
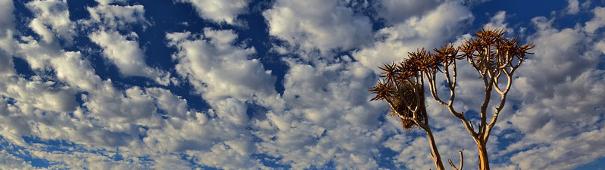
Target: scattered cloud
[116, 16]
[560, 88]
[498, 22]
[397, 11]
[218, 68]
[219, 11]
[597, 22]
[124, 52]
[430, 30]
[322, 118]
[51, 20]
[573, 6]
[304, 24]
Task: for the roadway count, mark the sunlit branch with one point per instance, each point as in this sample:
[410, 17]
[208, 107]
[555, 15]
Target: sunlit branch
[460, 164]
[489, 53]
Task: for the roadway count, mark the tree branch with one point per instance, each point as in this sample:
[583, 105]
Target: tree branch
[460, 164]
[488, 81]
[498, 109]
[451, 81]
[433, 87]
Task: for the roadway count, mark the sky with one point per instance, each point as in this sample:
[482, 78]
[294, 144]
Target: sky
[283, 84]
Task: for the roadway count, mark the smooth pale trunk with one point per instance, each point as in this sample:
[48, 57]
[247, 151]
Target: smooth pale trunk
[434, 152]
[482, 154]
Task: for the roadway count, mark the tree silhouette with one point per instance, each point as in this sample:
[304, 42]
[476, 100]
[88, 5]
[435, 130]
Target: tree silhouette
[494, 57]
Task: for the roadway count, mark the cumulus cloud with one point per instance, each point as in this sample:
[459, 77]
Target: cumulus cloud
[8, 161]
[116, 16]
[396, 11]
[125, 53]
[214, 141]
[218, 68]
[228, 77]
[497, 22]
[560, 89]
[6, 63]
[6, 31]
[122, 50]
[327, 119]
[40, 95]
[220, 11]
[106, 2]
[74, 70]
[6, 17]
[51, 17]
[430, 30]
[573, 6]
[323, 117]
[305, 24]
[597, 22]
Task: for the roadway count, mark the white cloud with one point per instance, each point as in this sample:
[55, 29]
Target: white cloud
[106, 2]
[171, 104]
[125, 53]
[314, 90]
[37, 54]
[8, 161]
[323, 116]
[223, 73]
[51, 17]
[397, 11]
[429, 31]
[328, 118]
[6, 16]
[122, 50]
[77, 72]
[6, 63]
[573, 7]
[115, 16]
[39, 94]
[561, 90]
[597, 22]
[205, 137]
[565, 153]
[219, 10]
[227, 156]
[600, 46]
[89, 160]
[219, 69]
[318, 25]
[171, 162]
[497, 21]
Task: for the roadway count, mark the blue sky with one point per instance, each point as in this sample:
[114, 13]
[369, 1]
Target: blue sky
[244, 84]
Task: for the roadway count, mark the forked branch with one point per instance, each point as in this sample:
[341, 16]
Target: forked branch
[460, 163]
[489, 53]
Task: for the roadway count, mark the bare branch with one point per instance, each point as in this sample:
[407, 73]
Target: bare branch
[460, 164]
[451, 81]
[500, 106]
[489, 53]
[497, 82]
[433, 87]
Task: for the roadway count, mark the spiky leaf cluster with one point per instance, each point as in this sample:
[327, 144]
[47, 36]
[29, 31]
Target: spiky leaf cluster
[402, 83]
[402, 86]
[489, 51]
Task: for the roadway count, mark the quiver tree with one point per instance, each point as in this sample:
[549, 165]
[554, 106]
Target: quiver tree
[494, 57]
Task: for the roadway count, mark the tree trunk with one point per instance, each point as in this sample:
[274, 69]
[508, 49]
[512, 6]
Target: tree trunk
[434, 152]
[482, 153]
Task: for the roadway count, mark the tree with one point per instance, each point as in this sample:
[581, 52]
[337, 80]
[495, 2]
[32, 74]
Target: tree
[403, 86]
